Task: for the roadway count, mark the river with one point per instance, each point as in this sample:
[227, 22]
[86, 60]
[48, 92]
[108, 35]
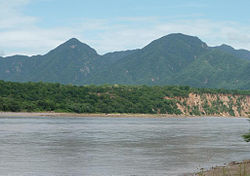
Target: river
[96, 146]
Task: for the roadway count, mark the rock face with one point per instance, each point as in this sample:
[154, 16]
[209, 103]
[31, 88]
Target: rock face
[214, 104]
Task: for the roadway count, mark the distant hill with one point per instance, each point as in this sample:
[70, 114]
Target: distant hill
[245, 54]
[70, 62]
[175, 59]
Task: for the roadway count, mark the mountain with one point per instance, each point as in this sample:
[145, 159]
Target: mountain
[245, 54]
[215, 69]
[175, 59]
[179, 59]
[70, 62]
[17, 68]
[116, 56]
[105, 61]
[161, 59]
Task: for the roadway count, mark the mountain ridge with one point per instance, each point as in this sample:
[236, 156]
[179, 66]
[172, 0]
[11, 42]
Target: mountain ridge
[238, 53]
[174, 59]
[172, 34]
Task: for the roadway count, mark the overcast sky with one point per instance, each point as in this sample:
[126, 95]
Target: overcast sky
[37, 26]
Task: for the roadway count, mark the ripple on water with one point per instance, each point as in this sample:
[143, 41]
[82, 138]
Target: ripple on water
[118, 146]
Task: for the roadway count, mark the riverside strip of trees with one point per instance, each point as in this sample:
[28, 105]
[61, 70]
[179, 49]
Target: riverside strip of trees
[40, 97]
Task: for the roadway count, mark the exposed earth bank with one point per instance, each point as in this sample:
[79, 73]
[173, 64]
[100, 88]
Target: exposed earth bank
[214, 105]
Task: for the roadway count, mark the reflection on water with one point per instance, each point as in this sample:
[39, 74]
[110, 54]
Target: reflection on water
[118, 146]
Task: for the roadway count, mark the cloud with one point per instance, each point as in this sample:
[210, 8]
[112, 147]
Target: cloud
[136, 33]
[10, 15]
[21, 34]
[1, 53]
[34, 40]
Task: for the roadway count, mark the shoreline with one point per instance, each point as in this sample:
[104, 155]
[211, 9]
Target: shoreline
[115, 115]
[233, 169]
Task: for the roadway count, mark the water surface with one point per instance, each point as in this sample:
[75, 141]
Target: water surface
[71, 146]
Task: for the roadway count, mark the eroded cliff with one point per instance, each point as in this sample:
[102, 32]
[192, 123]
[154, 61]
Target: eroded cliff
[214, 104]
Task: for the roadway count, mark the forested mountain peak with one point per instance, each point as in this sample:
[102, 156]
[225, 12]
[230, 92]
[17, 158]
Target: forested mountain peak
[75, 47]
[73, 41]
[174, 59]
[175, 40]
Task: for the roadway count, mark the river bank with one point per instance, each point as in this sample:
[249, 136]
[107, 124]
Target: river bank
[232, 169]
[56, 114]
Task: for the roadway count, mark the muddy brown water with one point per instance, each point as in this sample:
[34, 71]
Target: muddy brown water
[68, 146]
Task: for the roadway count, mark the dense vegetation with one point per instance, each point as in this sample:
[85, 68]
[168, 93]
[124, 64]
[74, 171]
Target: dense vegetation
[175, 59]
[56, 97]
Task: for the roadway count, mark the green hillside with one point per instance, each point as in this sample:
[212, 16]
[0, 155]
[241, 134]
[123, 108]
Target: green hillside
[178, 59]
[175, 59]
[241, 53]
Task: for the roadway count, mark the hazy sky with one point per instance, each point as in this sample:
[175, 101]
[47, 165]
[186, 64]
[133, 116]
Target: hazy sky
[37, 26]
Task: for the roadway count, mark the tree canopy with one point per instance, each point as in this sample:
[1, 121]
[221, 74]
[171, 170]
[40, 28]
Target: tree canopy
[37, 97]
